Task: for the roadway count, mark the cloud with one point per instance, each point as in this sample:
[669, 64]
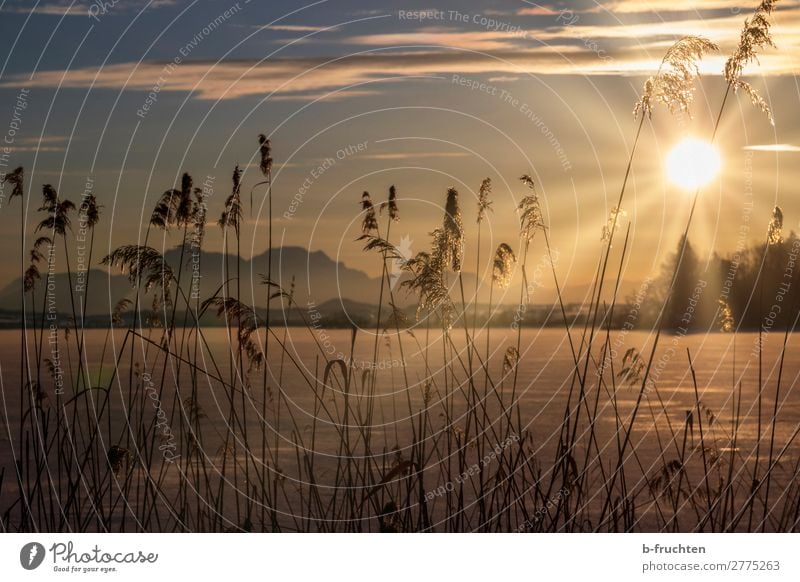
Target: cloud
[47, 143]
[536, 10]
[38, 149]
[446, 37]
[631, 45]
[773, 147]
[327, 96]
[70, 8]
[413, 155]
[58, 9]
[43, 139]
[301, 77]
[297, 28]
[723, 29]
[639, 6]
[631, 49]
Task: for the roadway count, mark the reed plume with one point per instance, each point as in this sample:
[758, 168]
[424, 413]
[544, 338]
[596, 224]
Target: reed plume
[120, 308]
[265, 165]
[484, 206]
[427, 279]
[755, 36]
[164, 212]
[185, 206]
[265, 150]
[142, 264]
[247, 320]
[30, 277]
[232, 215]
[370, 222]
[503, 266]
[16, 179]
[530, 211]
[41, 241]
[199, 217]
[58, 220]
[90, 210]
[381, 245]
[612, 223]
[117, 455]
[451, 243]
[673, 84]
[510, 359]
[775, 227]
[391, 204]
[279, 292]
[726, 321]
[32, 273]
[484, 203]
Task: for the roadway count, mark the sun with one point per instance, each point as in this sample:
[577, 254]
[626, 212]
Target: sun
[693, 163]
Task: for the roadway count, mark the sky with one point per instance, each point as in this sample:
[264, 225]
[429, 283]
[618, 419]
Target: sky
[121, 97]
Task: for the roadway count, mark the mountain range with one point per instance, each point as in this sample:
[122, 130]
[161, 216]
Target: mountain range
[318, 280]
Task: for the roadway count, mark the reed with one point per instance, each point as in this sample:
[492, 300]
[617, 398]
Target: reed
[128, 446]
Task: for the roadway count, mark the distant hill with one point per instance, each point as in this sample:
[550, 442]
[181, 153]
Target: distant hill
[318, 278]
[344, 293]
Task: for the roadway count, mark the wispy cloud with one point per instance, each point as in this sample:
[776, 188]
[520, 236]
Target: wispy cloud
[667, 6]
[773, 147]
[297, 28]
[632, 49]
[721, 29]
[413, 155]
[304, 78]
[536, 10]
[446, 37]
[47, 143]
[57, 9]
[301, 76]
[39, 149]
[627, 43]
[43, 139]
[70, 8]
